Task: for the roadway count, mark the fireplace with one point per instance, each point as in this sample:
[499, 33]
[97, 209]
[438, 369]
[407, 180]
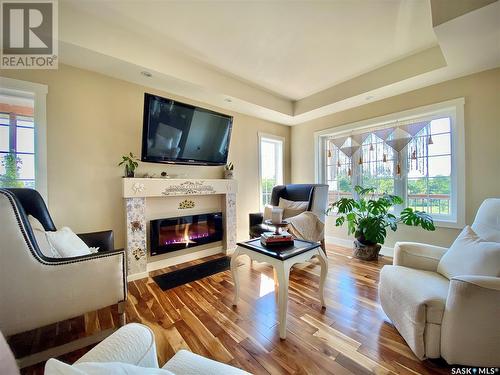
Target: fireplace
[183, 232]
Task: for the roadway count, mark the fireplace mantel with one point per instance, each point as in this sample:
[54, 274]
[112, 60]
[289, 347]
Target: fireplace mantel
[136, 192]
[164, 187]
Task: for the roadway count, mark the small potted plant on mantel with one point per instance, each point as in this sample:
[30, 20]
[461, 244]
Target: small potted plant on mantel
[368, 219]
[131, 163]
[229, 170]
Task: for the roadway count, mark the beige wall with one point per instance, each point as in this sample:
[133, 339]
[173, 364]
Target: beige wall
[482, 143]
[93, 119]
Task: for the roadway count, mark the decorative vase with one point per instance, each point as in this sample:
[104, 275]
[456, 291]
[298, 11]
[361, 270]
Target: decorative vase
[129, 173]
[366, 252]
[228, 174]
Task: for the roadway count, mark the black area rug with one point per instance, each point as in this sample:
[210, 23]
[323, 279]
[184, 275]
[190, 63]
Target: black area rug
[186, 275]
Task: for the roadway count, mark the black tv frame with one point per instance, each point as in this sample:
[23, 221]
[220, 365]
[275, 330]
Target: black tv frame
[145, 127]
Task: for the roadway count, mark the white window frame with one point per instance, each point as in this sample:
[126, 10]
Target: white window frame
[38, 92]
[452, 108]
[280, 179]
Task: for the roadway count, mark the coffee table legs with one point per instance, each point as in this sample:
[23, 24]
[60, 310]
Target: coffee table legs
[322, 278]
[234, 273]
[283, 273]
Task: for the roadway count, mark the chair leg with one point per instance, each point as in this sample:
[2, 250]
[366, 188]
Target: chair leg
[323, 246]
[121, 313]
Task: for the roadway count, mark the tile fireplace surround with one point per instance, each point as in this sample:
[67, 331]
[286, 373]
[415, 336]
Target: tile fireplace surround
[139, 194]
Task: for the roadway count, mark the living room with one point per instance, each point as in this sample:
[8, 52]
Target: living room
[175, 137]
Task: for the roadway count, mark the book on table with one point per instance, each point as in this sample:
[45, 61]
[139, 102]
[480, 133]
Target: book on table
[273, 239]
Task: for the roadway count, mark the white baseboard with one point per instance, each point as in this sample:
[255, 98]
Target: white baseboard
[137, 276]
[385, 250]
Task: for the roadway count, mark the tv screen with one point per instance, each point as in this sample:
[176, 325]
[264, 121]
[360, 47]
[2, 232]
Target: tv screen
[175, 132]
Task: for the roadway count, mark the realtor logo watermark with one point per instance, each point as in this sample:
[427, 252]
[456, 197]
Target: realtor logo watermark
[29, 37]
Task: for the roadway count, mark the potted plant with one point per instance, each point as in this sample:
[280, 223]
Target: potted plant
[12, 166]
[369, 218]
[229, 170]
[131, 163]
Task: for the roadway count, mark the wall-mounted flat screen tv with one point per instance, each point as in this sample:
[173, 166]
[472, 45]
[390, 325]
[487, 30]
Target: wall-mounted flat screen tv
[180, 133]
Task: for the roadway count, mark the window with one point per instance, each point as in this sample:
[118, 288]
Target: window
[270, 165]
[17, 142]
[22, 135]
[416, 154]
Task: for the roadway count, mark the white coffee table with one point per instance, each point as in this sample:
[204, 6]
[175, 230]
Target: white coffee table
[282, 259]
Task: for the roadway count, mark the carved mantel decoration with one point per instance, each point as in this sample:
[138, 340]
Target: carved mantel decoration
[189, 188]
[136, 192]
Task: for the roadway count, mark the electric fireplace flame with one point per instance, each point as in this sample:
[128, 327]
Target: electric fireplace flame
[187, 237]
[179, 233]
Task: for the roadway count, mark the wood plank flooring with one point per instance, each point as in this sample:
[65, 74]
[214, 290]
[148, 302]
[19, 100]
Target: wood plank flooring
[351, 336]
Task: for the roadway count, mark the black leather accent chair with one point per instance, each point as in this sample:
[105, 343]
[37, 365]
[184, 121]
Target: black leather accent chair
[315, 194]
[34, 205]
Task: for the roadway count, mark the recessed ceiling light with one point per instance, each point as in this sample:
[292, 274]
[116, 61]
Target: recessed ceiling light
[229, 100]
[146, 74]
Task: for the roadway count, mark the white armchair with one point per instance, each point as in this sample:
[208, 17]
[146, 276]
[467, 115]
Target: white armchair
[130, 350]
[134, 344]
[36, 290]
[457, 318]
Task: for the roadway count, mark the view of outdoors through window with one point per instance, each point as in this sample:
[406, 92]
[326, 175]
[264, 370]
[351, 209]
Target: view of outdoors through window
[17, 142]
[424, 180]
[271, 167]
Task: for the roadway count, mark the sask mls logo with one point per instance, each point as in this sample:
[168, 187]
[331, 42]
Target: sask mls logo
[29, 34]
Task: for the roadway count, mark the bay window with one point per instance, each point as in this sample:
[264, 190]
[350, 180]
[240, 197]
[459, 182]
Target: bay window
[416, 154]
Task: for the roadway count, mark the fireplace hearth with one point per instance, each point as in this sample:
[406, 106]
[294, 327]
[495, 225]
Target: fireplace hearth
[177, 233]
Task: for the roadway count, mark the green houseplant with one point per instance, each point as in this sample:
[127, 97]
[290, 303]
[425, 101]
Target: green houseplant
[131, 163]
[368, 216]
[12, 165]
[229, 170]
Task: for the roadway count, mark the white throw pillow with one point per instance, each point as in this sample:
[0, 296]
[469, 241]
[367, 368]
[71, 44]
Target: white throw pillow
[41, 238]
[67, 243]
[470, 255]
[55, 367]
[292, 208]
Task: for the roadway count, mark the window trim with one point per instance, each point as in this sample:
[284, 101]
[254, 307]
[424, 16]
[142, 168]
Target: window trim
[272, 137]
[454, 108]
[38, 92]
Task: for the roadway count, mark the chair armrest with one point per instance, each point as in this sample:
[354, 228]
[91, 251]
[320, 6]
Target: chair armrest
[418, 255]
[63, 288]
[184, 362]
[133, 344]
[470, 329]
[104, 240]
[256, 218]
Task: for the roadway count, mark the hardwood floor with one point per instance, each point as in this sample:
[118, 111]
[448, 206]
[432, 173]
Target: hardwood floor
[351, 336]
